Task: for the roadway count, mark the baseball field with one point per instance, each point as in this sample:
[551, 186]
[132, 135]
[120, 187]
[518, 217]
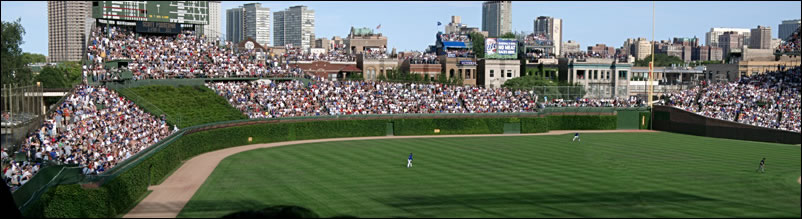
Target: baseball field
[605, 175]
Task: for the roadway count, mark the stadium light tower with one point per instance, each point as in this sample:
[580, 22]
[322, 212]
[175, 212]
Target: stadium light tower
[651, 64]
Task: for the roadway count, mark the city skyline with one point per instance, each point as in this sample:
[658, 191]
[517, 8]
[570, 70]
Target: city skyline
[410, 27]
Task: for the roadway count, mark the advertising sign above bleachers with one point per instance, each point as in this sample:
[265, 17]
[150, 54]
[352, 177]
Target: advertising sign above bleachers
[501, 48]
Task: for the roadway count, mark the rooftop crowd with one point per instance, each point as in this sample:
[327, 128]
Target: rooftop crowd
[424, 58]
[755, 100]
[185, 55]
[454, 38]
[94, 128]
[288, 99]
[334, 55]
[792, 44]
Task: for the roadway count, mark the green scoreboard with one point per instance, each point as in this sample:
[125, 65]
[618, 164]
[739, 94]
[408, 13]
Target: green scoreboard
[181, 12]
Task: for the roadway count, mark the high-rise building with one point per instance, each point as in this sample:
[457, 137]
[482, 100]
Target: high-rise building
[66, 23]
[497, 17]
[787, 28]
[685, 41]
[215, 18]
[641, 49]
[257, 23]
[570, 47]
[730, 41]
[552, 28]
[713, 35]
[249, 20]
[761, 38]
[294, 26]
[234, 25]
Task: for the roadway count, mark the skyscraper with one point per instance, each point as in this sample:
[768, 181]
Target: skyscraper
[250, 20]
[294, 26]
[552, 28]
[234, 23]
[497, 17]
[66, 25]
[713, 35]
[787, 28]
[730, 41]
[761, 38]
[213, 28]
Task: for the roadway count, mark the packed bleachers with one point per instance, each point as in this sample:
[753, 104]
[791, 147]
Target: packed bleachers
[277, 100]
[604, 102]
[95, 128]
[185, 55]
[755, 100]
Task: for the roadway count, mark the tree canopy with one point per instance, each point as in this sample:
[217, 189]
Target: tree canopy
[660, 60]
[478, 41]
[13, 67]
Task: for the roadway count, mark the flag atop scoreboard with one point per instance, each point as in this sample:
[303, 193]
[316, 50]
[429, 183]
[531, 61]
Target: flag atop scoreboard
[501, 48]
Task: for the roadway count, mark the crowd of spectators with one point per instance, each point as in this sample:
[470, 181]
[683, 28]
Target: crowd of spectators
[94, 128]
[425, 58]
[539, 39]
[185, 55]
[380, 53]
[757, 100]
[276, 100]
[792, 44]
[333, 55]
[589, 102]
[454, 38]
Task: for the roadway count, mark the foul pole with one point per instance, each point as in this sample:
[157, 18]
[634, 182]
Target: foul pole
[651, 64]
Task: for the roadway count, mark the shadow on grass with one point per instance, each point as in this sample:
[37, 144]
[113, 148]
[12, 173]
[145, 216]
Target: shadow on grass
[249, 209]
[487, 203]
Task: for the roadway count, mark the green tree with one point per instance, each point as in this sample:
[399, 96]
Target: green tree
[28, 58]
[54, 77]
[13, 69]
[508, 35]
[73, 72]
[478, 44]
[660, 60]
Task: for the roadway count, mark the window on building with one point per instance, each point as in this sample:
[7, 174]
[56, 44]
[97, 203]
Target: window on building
[451, 73]
[509, 73]
[467, 74]
[491, 74]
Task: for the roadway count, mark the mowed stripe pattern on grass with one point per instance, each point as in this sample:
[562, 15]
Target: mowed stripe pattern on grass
[606, 175]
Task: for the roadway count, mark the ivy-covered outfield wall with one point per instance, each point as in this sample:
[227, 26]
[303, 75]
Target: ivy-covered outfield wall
[123, 191]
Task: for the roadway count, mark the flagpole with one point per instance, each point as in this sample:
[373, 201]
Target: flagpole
[651, 64]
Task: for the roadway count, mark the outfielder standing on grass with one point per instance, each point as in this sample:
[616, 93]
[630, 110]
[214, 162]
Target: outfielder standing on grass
[576, 137]
[762, 167]
[409, 161]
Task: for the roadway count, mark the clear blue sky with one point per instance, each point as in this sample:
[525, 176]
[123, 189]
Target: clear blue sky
[412, 25]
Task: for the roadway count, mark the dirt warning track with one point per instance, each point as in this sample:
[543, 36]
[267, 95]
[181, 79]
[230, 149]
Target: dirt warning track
[168, 198]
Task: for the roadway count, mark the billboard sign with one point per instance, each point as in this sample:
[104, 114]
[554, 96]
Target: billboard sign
[501, 48]
[467, 62]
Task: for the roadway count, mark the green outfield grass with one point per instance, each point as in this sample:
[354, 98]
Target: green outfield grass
[606, 175]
